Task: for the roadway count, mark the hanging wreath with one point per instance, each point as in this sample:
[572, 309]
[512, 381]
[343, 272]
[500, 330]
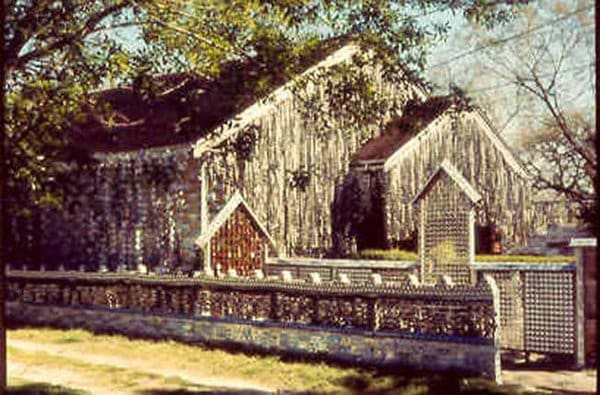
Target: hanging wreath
[245, 143]
[300, 178]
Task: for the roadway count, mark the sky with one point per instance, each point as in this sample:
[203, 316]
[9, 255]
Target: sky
[459, 60]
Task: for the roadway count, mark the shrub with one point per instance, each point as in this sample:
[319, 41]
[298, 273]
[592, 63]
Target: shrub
[524, 258]
[387, 255]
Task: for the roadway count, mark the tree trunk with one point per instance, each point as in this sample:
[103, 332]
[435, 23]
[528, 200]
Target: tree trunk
[3, 227]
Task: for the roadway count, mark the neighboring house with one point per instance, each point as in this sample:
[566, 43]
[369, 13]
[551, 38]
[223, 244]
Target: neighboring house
[161, 173]
[554, 222]
[555, 240]
[554, 212]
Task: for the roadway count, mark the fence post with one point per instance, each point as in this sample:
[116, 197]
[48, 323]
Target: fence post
[373, 314]
[523, 278]
[579, 352]
[495, 291]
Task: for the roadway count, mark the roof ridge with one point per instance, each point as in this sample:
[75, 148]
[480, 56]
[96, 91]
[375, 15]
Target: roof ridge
[226, 95]
[416, 116]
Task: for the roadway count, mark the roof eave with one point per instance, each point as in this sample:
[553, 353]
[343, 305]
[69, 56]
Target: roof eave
[260, 107]
[412, 143]
[510, 156]
[367, 164]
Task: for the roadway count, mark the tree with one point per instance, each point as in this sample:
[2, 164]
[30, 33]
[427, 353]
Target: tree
[551, 69]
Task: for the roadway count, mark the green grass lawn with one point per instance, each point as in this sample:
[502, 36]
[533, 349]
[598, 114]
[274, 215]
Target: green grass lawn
[149, 367]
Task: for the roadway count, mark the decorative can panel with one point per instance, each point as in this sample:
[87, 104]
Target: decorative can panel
[238, 245]
[510, 284]
[549, 312]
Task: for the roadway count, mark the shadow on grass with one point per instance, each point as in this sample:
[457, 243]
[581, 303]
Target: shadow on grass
[41, 389]
[554, 391]
[361, 380]
[411, 382]
[198, 392]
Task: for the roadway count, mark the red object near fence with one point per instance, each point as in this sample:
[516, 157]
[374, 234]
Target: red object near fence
[235, 239]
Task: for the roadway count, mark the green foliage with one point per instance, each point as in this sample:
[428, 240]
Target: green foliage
[524, 258]
[392, 255]
[358, 214]
[349, 210]
[348, 99]
[245, 144]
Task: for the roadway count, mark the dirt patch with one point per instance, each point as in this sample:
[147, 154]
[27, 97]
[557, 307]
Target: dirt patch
[33, 373]
[566, 381]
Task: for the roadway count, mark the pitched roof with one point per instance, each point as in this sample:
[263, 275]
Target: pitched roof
[227, 210]
[455, 175]
[400, 130]
[583, 242]
[170, 120]
[138, 122]
[390, 145]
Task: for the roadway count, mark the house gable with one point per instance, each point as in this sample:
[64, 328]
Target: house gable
[405, 135]
[454, 175]
[484, 125]
[490, 131]
[262, 107]
[399, 131]
[408, 157]
[219, 220]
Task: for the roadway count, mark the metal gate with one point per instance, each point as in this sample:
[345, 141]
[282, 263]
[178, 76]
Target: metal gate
[550, 312]
[537, 305]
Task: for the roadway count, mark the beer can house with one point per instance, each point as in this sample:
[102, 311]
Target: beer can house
[446, 211]
[235, 239]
